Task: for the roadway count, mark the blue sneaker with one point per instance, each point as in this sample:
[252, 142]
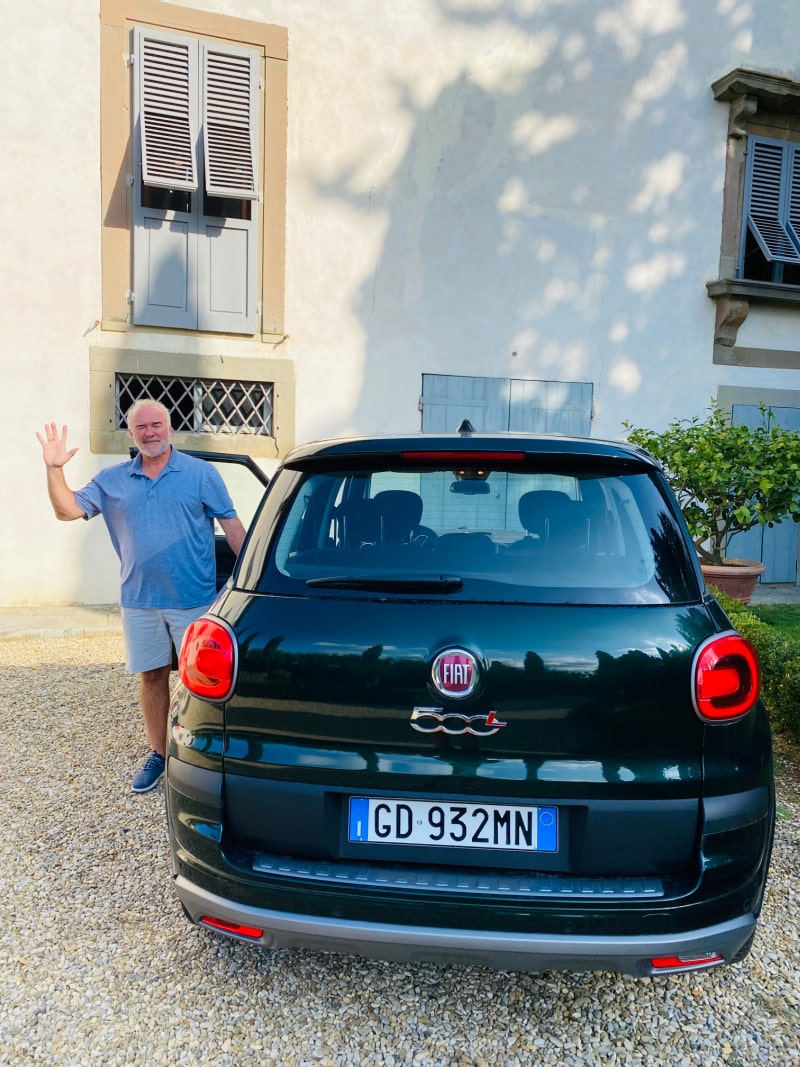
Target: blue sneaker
[149, 776]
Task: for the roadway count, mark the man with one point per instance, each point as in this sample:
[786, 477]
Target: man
[159, 509]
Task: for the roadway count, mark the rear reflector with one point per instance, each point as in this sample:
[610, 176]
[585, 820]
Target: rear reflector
[663, 963]
[231, 928]
[727, 677]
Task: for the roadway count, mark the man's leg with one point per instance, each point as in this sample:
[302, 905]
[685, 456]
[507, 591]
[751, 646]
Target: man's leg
[154, 701]
[148, 653]
[150, 635]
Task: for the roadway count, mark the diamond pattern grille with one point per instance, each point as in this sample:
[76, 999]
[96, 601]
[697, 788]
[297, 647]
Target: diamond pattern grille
[200, 405]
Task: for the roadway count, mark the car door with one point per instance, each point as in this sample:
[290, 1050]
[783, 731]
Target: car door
[246, 483]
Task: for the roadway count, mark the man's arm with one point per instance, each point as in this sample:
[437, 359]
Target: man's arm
[55, 454]
[234, 532]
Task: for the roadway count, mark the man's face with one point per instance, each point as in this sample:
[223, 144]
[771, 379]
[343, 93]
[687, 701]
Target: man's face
[150, 431]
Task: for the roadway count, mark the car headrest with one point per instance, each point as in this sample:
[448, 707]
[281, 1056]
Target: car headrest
[540, 505]
[357, 522]
[399, 512]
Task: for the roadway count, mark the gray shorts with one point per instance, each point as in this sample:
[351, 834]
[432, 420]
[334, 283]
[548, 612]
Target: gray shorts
[151, 633]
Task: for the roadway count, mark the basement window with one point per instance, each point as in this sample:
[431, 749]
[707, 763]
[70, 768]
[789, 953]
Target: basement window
[199, 405]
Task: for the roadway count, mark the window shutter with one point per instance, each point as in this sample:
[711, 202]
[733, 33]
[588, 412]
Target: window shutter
[794, 194]
[194, 270]
[167, 68]
[550, 407]
[768, 198]
[230, 115]
[226, 276]
[164, 271]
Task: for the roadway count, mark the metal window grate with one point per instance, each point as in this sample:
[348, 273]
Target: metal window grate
[200, 405]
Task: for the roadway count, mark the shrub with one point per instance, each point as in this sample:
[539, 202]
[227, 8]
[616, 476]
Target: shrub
[727, 478]
[780, 664]
[787, 701]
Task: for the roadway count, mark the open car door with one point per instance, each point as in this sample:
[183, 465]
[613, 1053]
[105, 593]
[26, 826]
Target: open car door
[246, 483]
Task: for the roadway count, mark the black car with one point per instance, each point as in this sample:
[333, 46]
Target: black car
[466, 697]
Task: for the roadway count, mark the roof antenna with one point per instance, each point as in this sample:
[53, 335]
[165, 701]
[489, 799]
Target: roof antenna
[465, 427]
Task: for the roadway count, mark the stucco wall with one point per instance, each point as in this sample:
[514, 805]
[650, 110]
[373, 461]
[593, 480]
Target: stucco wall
[534, 191]
[528, 190]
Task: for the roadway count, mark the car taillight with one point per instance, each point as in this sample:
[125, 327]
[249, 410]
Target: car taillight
[726, 678]
[207, 660]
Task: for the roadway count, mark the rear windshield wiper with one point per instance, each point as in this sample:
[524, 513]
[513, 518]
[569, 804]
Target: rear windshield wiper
[392, 583]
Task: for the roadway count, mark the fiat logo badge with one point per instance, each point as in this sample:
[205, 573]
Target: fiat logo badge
[455, 673]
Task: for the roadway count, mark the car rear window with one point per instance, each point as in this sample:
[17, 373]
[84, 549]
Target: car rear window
[592, 536]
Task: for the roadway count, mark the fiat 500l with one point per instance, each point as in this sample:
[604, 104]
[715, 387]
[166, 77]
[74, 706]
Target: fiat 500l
[466, 697]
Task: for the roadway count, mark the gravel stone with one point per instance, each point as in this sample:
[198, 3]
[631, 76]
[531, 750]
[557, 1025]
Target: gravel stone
[99, 967]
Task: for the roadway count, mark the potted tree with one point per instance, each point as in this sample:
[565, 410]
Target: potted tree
[727, 479]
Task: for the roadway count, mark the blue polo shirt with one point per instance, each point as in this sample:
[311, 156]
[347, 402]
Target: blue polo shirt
[162, 529]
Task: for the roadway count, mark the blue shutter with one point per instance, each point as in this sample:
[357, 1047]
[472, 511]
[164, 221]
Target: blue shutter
[793, 197]
[448, 399]
[767, 198]
[496, 405]
[777, 548]
[551, 407]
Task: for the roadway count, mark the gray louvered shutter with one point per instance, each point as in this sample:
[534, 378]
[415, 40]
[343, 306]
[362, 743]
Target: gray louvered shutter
[793, 221]
[767, 199]
[165, 240]
[230, 117]
[167, 84]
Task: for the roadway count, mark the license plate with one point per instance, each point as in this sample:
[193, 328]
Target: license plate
[384, 821]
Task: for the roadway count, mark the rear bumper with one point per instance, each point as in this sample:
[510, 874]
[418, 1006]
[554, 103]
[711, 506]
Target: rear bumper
[490, 918]
[499, 950]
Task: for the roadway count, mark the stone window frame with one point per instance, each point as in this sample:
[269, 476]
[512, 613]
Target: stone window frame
[106, 438]
[767, 105]
[144, 348]
[117, 18]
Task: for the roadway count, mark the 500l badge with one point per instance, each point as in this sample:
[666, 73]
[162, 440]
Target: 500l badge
[437, 720]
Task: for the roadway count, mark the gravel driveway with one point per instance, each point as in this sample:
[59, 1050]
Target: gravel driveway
[98, 966]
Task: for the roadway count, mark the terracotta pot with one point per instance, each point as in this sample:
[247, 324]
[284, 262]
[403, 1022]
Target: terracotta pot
[736, 577]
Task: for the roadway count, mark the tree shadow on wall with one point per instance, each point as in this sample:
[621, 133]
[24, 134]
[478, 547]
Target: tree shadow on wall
[544, 198]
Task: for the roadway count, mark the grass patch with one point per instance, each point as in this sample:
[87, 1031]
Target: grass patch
[785, 618]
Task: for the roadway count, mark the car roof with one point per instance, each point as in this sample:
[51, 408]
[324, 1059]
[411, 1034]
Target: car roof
[396, 445]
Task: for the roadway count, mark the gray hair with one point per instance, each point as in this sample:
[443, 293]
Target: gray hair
[146, 401]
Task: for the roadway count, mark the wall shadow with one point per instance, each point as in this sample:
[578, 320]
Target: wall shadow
[554, 202]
